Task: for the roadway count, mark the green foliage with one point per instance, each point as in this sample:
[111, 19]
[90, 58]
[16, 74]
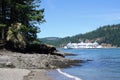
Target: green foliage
[109, 34]
[36, 41]
[29, 14]
[2, 25]
[16, 35]
[26, 12]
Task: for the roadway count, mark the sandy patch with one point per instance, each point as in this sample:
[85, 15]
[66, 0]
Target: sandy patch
[37, 74]
[13, 74]
[23, 74]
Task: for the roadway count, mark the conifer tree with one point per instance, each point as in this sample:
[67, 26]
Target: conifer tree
[26, 12]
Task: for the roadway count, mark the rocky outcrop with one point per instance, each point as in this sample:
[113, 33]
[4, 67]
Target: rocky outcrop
[40, 49]
[34, 61]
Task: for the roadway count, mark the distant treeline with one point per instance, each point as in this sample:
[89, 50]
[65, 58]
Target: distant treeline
[109, 34]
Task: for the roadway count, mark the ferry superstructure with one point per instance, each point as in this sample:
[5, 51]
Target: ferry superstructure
[82, 45]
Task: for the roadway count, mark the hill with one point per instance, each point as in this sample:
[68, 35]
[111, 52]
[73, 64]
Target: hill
[108, 35]
[51, 38]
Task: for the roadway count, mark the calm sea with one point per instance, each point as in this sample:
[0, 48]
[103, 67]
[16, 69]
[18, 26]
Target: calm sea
[105, 65]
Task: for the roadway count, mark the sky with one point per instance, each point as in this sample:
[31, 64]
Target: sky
[72, 17]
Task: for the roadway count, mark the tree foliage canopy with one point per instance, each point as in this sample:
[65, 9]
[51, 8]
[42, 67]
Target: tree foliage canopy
[27, 12]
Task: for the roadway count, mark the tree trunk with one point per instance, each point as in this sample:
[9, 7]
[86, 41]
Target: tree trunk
[3, 11]
[12, 12]
[3, 36]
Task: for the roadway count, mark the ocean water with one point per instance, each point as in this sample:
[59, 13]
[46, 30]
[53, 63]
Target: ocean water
[105, 65]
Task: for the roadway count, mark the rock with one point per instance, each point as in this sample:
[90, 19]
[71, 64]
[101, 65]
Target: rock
[89, 60]
[63, 54]
[40, 48]
[35, 61]
[10, 65]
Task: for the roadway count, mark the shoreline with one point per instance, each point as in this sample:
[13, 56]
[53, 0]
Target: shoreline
[18, 66]
[68, 75]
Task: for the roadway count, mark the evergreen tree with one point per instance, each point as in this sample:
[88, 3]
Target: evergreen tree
[29, 14]
[26, 12]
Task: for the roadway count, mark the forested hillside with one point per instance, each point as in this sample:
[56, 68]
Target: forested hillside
[109, 34]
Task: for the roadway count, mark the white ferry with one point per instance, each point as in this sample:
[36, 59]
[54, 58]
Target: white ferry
[82, 45]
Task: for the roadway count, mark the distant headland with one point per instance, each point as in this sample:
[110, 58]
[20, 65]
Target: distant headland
[108, 36]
